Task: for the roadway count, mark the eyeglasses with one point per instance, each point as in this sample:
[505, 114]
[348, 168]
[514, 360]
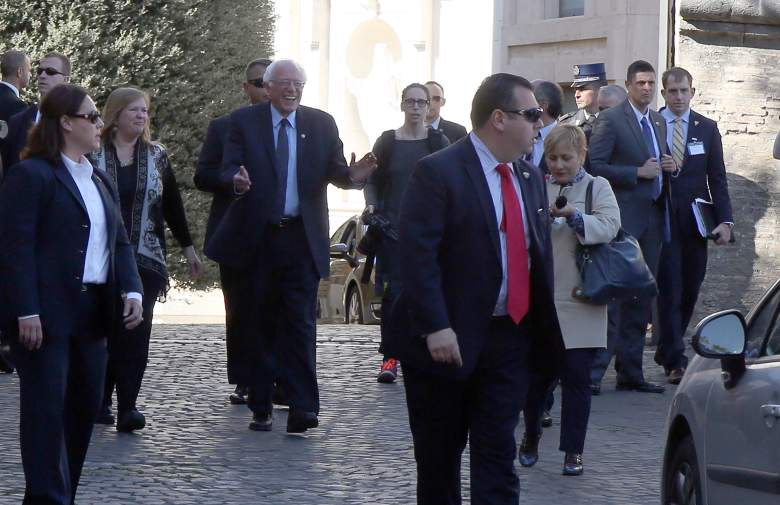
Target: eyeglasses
[420, 102]
[532, 115]
[93, 117]
[257, 83]
[287, 82]
[437, 98]
[50, 71]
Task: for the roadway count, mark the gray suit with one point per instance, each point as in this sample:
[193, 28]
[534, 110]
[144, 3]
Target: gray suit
[617, 149]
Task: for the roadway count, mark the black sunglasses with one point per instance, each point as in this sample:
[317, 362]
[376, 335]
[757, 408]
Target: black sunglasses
[533, 114]
[93, 117]
[257, 83]
[49, 71]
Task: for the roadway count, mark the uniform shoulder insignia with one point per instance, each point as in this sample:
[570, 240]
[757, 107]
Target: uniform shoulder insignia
[3, 129]
[566, 116]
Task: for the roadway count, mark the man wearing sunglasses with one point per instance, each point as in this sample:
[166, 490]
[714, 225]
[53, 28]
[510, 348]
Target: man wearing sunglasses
[207, 178]
[476, 266]
[452, 130]
[53, 69]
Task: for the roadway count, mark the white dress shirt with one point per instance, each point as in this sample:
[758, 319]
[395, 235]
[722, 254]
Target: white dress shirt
[489, 164]
[291, 202]
[13, 88]
[435, 123]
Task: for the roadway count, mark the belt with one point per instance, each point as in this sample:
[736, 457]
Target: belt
[287, 221]
[91, 287]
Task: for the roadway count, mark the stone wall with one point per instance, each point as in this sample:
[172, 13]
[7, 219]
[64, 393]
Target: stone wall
[732, 49]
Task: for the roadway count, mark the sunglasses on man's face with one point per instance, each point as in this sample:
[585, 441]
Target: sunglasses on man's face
[50, 71]
[257, 83]
[93, 117]
[532, 115]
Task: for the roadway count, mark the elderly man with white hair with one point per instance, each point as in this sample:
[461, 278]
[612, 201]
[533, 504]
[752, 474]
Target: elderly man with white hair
[279, 158]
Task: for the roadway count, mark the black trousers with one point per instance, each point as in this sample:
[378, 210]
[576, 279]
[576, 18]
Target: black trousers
[238, 293]
[680, 275]
[484, 409]
[60, 391]
[128, 350]
[285, 282]
[391, 291]
[575, 400]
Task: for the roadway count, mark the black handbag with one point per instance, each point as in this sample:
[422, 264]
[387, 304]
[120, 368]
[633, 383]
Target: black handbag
[614, 271]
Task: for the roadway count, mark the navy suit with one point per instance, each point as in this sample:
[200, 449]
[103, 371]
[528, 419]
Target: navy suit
[451, 276]
[282, 264]
[44, 228]
[684, 260]
[19, 125]
[10, 104]
[452, 130]
[617, 149]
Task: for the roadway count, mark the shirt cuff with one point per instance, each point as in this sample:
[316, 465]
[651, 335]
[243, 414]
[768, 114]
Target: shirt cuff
[27, 317]
[135, 296]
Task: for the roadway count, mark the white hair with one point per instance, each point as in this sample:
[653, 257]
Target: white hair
[270, 72]
[613, 91]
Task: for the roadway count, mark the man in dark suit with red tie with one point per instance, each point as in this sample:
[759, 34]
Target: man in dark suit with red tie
[695, 144]
[280, 158]
[477, 298]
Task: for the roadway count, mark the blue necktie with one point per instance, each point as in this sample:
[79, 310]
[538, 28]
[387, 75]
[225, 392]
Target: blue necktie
[648, 134]
[282, 159]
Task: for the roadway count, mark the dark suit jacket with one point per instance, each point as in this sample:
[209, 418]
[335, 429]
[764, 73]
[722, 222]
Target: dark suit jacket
[208, 172]
[617, 150]
[701, 176]
[44, 229]
[238, 239]
[453, 131]
[451, 260]
[18, 127]
[10, 104]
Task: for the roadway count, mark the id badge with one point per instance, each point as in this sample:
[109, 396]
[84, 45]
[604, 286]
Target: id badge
[695, 147]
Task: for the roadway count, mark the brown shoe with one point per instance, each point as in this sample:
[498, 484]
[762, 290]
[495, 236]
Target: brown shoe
[676, 375]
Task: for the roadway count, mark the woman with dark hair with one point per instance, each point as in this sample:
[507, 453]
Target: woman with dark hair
[65, 264]
[397, 152]
[149, 198]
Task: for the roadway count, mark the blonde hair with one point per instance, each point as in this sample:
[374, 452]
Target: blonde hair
[117, 101]
[567, 136]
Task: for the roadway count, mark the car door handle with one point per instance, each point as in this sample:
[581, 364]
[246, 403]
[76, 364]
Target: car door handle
[770, 411]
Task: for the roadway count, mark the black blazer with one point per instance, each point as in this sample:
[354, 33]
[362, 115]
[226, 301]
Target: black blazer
[451, 261]
[208, 172]
[616, 151]
[453, 131]
[10, 104]
[44, 229]
[19, 126]
[701, 176]
[237, 240]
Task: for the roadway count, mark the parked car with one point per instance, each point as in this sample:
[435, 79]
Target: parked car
[723, 429]
[344, 297]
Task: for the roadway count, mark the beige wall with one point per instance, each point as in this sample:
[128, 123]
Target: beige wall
[359, 55]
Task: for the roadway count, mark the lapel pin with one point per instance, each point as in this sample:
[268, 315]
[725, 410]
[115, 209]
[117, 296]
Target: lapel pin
[526, 175]
[695, 123]
[540, 210]
[303, 135]
[657, 123]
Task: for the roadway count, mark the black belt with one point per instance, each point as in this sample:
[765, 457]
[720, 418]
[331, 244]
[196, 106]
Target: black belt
[91, 287]
[287, 221]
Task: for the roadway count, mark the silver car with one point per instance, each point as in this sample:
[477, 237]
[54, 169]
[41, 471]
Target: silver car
[723, 429]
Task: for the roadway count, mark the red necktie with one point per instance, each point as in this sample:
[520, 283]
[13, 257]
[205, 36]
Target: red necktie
[518, 278]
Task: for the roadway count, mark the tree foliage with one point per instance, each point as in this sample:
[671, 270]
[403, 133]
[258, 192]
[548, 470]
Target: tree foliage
[188, 54]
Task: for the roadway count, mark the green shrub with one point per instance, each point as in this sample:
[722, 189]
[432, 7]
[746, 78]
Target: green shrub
[188, 54]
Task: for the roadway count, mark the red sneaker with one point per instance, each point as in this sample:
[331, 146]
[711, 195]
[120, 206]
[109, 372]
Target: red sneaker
[389, 371]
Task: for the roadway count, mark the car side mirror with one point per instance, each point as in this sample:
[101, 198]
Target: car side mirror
[723, 336]
[776, 152]
[339, 250]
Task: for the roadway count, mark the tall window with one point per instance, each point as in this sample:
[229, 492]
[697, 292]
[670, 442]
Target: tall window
[568, 8]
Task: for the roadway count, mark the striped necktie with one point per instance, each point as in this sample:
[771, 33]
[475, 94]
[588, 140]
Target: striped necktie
[678, 142]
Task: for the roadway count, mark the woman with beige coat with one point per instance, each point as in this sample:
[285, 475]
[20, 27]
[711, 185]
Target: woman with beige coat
[584, 326]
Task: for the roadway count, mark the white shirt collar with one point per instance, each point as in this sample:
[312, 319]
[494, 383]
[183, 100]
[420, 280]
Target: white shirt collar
[276, 117]
[13, 88]
[486, 158]
[82, 168]
[638, 114]
[670, 116]
[435, 123]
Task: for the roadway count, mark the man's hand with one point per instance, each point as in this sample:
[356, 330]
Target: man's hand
[241, 182]
[723, 232]
[443, 346]
[360, 171]
[31, 333]
[194, 264]
[132, 313]
[649, 170]
[668, 164]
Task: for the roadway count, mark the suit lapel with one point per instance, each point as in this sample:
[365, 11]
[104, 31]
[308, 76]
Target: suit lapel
[474, 170]
[300, 145]
[659, 129]
[266, 131]
[65, 178]
[531, 210]
[694, 132]
[634, 126]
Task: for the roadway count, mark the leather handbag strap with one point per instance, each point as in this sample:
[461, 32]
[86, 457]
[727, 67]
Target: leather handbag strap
[589, 198]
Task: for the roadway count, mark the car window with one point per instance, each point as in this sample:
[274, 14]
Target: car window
[773, 343]
[336, 237]
[349, 238]
[762, 320]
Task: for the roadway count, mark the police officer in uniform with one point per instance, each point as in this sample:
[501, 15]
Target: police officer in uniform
[587, 81]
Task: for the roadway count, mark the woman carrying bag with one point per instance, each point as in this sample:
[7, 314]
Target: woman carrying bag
[584, 325]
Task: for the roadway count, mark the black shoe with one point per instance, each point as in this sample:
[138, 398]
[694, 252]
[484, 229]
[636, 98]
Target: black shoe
[238, 397]
[595, 388]
[529, 451]
[105, 416]
[572, 464]
[546, 419]
[640, 387]
[261, 422]
[298, 421]
[130, 420]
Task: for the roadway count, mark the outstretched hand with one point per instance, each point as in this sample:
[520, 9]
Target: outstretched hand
[361, 170]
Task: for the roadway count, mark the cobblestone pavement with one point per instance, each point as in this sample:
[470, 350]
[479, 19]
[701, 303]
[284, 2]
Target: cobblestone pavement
[197, 449]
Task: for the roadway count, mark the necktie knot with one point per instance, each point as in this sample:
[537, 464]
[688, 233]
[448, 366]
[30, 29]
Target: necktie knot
[284, 123]
[503, 170]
